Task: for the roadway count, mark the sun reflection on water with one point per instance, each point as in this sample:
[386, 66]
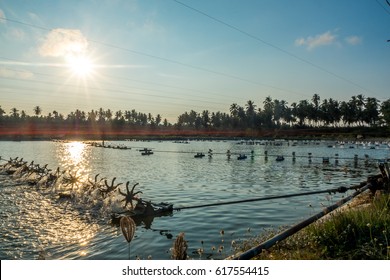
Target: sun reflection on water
[49, 227]
[74, 159]
[75, 152]
[74, 156]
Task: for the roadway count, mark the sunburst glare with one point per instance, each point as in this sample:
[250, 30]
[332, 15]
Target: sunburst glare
[80, 65]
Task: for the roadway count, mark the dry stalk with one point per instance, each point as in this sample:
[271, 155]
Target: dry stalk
[179, 251]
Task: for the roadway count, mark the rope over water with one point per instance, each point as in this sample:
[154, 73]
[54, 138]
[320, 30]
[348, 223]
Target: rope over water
[330, 191]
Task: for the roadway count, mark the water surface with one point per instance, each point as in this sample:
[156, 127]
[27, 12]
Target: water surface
[36, 223]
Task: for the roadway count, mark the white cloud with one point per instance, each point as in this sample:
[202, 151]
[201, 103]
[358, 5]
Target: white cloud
[300, 42]
[64, 42]
[319, 40]
[353, 40]
[2, 16]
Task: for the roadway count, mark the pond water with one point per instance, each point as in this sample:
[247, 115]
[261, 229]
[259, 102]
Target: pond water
[36, 223]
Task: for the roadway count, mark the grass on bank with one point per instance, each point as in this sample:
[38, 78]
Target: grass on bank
[355, 233]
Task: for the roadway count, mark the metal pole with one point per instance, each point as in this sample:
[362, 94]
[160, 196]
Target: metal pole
[283, 235]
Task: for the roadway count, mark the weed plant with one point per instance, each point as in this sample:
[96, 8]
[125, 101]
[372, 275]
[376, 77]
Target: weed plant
[355, 233]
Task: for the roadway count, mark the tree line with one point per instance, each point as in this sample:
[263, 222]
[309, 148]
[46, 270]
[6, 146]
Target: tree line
[275, 113]
[359, 111]
[79, 117]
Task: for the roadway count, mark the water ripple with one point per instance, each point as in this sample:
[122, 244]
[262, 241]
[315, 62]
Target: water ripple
[35, 223]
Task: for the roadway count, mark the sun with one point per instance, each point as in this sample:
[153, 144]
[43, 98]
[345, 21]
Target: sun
[80, 65]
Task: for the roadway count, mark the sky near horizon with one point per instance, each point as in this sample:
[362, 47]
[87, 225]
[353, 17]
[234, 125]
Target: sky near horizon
[167, 57]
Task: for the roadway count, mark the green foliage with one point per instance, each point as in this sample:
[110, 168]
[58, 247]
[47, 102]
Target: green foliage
[356, 234]
[359, 111]
[362, 233]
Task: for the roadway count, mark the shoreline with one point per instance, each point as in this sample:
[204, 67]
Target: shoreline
[270, 134]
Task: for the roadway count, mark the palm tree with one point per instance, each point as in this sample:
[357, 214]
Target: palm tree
[334, 111]
[371, 113]
[101, 115]
[37, 111]
[303, 111]
[91, 116]
[118, 115]
[315, 108]
[234, 114]
[128, 116]
[205, 118]
[14, 113]
[234, 109]
[80, 115]
[150, 119]
[360, 102]
[353, 110]
[251, 113]
[346, 113]
[108, 115]
[192, 118]
[158, 120]
[241, 116]
[55, 115]
[250, 107]
[134, 116]
[385, 110]
[294, 111]
[217, 119]
[23, 115]
[288, 116]
[268, 111]
[280, 111]
[142, 119]
[316, 100]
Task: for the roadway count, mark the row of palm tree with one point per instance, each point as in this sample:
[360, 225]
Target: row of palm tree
[274, 113]
[100, 116]
[358, 111]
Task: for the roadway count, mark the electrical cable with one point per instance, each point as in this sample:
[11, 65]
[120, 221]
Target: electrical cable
[272, 45]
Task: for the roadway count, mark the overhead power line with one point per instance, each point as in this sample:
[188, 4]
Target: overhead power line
[172, 61]
[256, 38]
[133, 93]
[384, 7]
[198, 91]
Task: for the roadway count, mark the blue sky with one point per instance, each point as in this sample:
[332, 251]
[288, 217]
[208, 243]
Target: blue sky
[168, 57]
